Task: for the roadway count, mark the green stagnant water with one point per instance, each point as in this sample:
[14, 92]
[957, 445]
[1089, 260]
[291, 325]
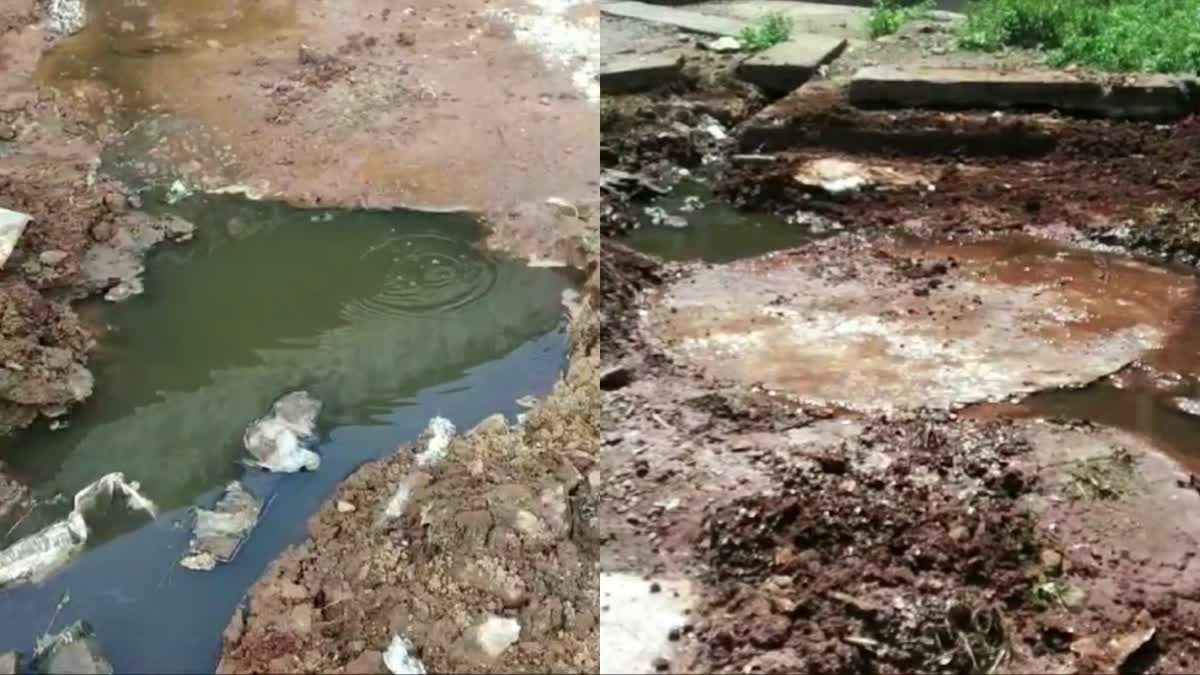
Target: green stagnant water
[716, 231]
[388, 318]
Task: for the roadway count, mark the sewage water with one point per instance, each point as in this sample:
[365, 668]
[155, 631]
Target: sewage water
[389, 318]
[716, 231]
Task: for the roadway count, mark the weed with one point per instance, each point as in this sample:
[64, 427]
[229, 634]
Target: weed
[888, 16]
[1049, 593]
[1120, 35]
[1107, 477]
[766, 32]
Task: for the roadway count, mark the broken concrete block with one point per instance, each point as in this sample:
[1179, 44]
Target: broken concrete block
[784, 67]
[218, 534]
[692, 22]
[639, 73]
[75, 650]
[1146, 97]
[275, 440]
[12, 226]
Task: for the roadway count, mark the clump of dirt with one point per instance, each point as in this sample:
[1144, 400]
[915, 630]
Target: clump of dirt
[626, 273]
[904, 551]
[503, 529]
[84, 238]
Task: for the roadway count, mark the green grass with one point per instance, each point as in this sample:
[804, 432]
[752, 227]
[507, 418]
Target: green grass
[1118, 35]
[888, 16]
[766, 32]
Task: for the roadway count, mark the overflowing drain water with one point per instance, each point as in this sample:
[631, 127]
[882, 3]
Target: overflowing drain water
[714, 231]
[389, 318]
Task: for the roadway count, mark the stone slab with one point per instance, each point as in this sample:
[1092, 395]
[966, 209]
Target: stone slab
[631, 74]
[12, 225]
[788, 65]
[1144, 97]
[692, 22]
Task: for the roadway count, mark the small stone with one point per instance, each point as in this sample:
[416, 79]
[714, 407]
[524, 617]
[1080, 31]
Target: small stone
[52, 257]
[345, 507]
[7, 133]
[660, 664]
[674, 634]
[366, 663]
[655, 587]
[1074, 597]
[1052, 562]
[958, 533]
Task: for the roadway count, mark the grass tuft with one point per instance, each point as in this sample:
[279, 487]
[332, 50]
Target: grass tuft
[766, 32]
[888, 16]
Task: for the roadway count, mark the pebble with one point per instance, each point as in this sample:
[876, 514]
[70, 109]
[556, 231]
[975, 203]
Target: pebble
[52, 257]
[345, 507]
[660, 664]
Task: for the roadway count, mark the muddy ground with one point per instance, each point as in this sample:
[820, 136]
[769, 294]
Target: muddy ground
[795, 509]
[506, 527]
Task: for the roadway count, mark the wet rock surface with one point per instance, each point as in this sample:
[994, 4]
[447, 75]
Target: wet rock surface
[487, 565]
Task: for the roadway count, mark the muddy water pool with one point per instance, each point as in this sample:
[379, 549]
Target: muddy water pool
[388, 317]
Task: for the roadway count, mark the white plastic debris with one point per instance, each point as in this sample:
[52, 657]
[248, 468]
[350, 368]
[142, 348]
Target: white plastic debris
[399, 659]
[436, 438]
[39, 554]
[218, 534]
[497, 634]
[177, 192]
[276, 439]
[12, 226]
[433, 444]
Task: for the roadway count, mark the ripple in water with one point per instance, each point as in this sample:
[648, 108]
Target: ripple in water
[432, 274]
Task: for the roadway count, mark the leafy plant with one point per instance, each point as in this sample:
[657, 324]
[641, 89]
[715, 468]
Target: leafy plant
[888, 16]
[766, 32]
[1121, 35]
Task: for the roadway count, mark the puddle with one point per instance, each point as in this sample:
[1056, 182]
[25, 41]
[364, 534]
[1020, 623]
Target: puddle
[389, 318]
[871, 326]
[716, 232]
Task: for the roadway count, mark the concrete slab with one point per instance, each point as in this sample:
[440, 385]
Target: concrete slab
[1146, 97]
[629, 74]
[693, 22]
[788, 65]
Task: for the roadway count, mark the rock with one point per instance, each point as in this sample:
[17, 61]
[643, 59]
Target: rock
[784, 67]
[12, 226]
[1073, 597]
[218, 534]
[236, 628]
[74, 651]
[369, 662]
[723, 44]
[639, 73]
[7, 133]
[660, 664]
[692, 22]
[834, 176]
[10, 663]
[345, 507]
[65, 17]
[1190, 406]
[1142, 97]
[301, 618]
[1051, 562]
[52, 257]
[496, 634]
[1101, 655]
[493, 424]
[275, 440]
[555, 509]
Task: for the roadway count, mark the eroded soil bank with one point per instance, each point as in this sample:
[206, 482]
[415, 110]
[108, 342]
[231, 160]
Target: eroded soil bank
[885, 449]
[504, 529]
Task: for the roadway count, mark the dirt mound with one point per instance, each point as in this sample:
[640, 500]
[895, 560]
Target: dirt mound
[502, 531]
[903, 552]
[625, 274]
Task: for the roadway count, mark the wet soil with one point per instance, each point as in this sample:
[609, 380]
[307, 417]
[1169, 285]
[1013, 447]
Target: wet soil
[809, 532]
[505, 527]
